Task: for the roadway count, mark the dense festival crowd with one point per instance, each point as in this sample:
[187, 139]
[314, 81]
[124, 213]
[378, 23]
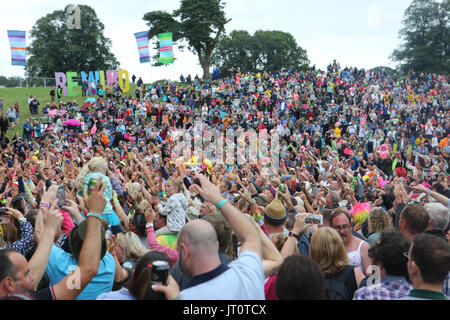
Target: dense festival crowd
[358, 207]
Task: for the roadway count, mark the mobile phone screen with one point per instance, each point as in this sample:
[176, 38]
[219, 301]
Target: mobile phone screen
[61, 196]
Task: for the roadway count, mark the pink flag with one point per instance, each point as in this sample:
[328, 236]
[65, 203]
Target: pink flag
[363, 120]
[94, 129]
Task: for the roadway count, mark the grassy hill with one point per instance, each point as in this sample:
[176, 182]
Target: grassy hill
[21, 95]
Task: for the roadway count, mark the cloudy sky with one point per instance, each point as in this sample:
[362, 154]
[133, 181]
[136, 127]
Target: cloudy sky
[360, 33]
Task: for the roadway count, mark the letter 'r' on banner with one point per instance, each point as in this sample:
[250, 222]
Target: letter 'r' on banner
[125, 88]
[61, 80]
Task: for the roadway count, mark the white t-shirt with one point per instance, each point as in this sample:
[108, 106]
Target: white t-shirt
[244, 280]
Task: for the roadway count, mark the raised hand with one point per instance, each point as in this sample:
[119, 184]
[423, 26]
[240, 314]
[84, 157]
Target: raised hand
[207, 190]
[96, 201]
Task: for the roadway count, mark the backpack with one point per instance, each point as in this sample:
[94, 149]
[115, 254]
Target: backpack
[335, 288]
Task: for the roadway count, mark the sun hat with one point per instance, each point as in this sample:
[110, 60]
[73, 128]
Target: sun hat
[275, 212]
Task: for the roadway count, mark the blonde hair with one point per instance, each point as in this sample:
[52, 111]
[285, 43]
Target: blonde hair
[177, 184]
[94, 165]
[134, 189]
[378, 220]
[327, 250]
[131, 245]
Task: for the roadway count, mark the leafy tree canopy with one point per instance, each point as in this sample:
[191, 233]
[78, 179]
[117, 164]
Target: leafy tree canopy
[426, 38]
[56, 47]
[265, 50]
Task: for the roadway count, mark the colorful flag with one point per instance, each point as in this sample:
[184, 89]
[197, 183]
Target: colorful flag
[142, 43]
[165, 48]
[94, 129]
[17, 41]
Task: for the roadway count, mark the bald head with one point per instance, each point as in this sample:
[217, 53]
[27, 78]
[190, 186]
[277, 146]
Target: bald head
[200, 236]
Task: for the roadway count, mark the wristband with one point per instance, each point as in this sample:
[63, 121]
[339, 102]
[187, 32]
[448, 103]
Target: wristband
[221, 203]
[148, 225]
[93, 214]
[45, 204]
[22, 220]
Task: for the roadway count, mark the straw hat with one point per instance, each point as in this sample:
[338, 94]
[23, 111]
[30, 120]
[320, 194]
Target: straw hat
[275, 212]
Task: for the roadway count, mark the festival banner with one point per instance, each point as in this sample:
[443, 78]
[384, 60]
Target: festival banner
[165, 48]
[142, 43]
[17, 41]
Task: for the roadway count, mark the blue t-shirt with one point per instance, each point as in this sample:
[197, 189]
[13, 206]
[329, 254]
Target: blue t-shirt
[61, 263]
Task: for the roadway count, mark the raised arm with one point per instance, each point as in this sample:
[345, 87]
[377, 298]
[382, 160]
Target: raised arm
[52, 223]
[120, 212]
[435, 195]
[299, 227]
[89, 259]
[272, 259]
[153, 243]
[244, 230]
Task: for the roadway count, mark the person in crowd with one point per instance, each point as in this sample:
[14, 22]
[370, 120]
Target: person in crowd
[174, 208]
[428, 266]
[390, 278]
[378, 221]
[347, 154]
[357, 249]
[139, 286]
[341, 278]
[19, 277]
[299, 278]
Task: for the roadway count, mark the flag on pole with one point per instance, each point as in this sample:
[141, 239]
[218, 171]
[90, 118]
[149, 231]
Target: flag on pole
[17, 41]
[165, 48]
[142, 43]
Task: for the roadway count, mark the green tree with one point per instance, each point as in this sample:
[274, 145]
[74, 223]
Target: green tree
[426, 38]
[199, 23]
[264, 51]
[56, 47]
[234, 51]
[10, 82]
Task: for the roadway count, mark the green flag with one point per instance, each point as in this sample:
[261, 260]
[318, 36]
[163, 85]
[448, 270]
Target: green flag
[394, 164]
[165, 48]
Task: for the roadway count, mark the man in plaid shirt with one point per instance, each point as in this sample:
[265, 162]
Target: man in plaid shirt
[388, 256]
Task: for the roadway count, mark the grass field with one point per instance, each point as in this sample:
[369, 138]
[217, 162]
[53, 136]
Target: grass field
[20, 95]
